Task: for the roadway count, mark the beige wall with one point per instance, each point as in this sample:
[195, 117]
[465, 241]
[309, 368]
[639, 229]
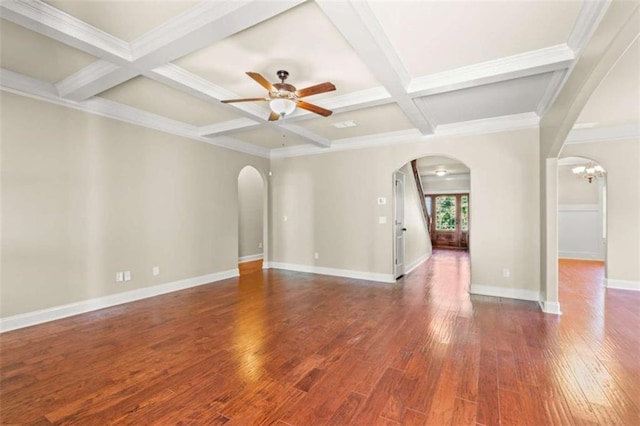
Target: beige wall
[84, 197]
[621, 160]
[416, 238]
[330, 203]
[250, 208]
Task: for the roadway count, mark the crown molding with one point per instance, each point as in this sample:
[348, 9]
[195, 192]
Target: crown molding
[603, 134]
[51, 22]
[522, 65]
[227, 126]
[490, 125]
[475, 127]
[20, 83]
[36, 89]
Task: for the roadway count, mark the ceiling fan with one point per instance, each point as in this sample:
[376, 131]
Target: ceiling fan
[284, 98]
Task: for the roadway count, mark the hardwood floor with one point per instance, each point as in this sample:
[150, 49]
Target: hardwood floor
[285, 348]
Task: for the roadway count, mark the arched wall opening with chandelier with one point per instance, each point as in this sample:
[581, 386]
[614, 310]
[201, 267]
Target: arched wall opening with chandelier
[582, 212]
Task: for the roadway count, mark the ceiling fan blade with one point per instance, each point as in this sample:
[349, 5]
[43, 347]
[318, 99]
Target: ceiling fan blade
[314, 108]
[261, 81]
[315, 90]
[244, 100]
[274, 116]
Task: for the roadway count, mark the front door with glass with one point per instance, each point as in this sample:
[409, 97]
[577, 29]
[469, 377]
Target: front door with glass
[450, 220]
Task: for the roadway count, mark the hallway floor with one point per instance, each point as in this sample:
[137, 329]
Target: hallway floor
[288, 348]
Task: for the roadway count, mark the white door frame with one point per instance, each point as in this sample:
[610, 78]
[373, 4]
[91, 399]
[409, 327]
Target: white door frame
[398, 226]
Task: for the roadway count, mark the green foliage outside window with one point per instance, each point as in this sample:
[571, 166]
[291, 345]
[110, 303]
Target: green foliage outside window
[445, 213]
[464, 212]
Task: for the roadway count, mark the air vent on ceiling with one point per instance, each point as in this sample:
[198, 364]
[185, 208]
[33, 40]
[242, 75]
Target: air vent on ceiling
[343, 124]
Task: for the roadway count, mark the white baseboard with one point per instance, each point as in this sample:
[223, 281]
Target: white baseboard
[345, 273]
[509, 293]
[250, 258]
[582, 255]
[550, 307]
[58, 312]
[419, 261]
[622, 284]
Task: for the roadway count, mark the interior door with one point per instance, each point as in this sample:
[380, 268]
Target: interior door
[398, 224]
[450, 222]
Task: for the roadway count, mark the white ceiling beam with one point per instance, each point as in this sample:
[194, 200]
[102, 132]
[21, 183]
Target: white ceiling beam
[51, 22]
[200, 26]
[359, 26]
[301, 131]
[227, 127]
[522, 65]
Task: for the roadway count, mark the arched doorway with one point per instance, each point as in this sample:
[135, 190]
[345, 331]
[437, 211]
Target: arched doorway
[435, 209]
[251, 214]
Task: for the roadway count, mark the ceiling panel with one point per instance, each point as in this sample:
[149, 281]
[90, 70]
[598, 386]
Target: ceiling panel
[269, 138]
[34, 55]
[148, 95]
[434, 36]
[302, 41]
[126, 20]
[380, 119]
[616, 101]
[491, 100]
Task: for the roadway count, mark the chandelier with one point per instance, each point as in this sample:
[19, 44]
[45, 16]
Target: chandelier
[589, 171]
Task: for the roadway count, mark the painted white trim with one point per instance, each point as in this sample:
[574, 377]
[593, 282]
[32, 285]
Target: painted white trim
[550, 307]
[58, 312]
[47, 20]
[250, 258]
[525, 120]
[416, 263]
[359, 25]
[345, 273]
[32, 88]
[521, 65]
[508, 292]
[622, 284]
[603, 134]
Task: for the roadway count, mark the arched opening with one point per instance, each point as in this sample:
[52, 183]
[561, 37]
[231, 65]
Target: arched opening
[432, 213]
[251, 220]
[582, 228]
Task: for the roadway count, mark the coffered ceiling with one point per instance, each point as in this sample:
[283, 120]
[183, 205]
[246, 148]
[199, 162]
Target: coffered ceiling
[401, 68]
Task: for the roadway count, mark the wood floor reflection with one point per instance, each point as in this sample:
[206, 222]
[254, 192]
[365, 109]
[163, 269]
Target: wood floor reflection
[277, 347]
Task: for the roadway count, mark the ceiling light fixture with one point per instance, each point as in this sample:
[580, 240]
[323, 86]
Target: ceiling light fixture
[282, 106]
[441, 172]
[589, 171]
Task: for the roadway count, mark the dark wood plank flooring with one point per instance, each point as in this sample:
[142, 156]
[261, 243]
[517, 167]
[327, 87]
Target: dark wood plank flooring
[285, 348]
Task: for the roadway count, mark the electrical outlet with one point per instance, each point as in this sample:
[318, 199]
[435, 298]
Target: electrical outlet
[127, 275]
[156, 270]
[382, 220]
[316, 255]
[119, 277]
[259, 245]
[506, 273]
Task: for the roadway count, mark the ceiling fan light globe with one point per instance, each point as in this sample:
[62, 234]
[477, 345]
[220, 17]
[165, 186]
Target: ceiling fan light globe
[282, 106]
